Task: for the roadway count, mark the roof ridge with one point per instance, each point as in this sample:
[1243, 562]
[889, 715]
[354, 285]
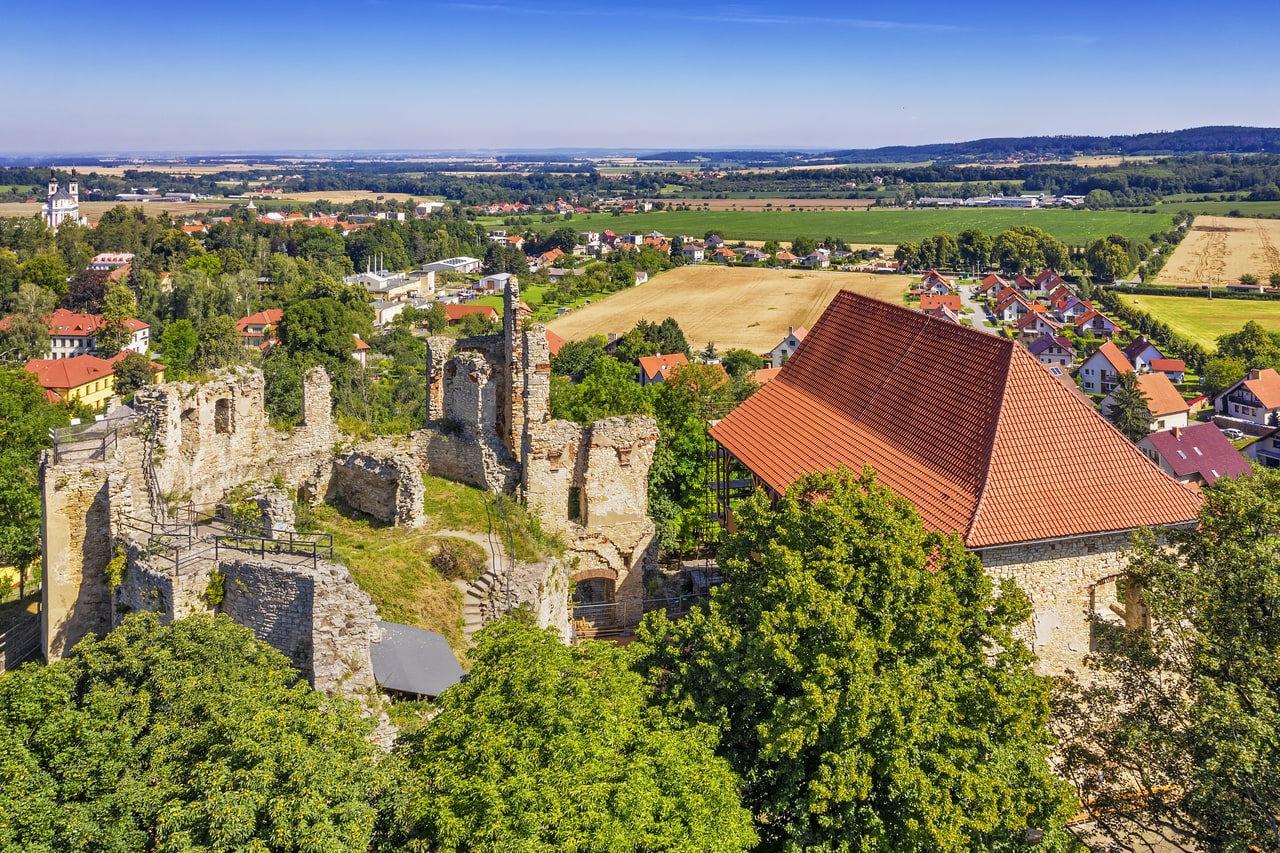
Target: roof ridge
[991, 443]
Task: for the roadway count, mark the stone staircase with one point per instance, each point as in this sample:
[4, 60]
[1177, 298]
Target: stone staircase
[483, 601]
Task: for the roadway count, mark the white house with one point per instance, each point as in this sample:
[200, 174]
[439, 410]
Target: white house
[384, 312]
[496, 283]
[1168, 409]
[1255, 398]
[111, 260]
[1101, 371]
[784, 350]
[1141, 353]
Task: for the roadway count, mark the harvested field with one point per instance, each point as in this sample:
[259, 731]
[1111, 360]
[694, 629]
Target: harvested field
[1221, 249]
[1203, 320]
[346, 196]
[749, 308]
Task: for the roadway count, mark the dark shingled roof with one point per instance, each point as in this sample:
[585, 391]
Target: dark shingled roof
[967, 426]
[412, 660]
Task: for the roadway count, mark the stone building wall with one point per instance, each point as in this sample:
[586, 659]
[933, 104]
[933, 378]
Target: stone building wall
[1066, 580]
[387, 486]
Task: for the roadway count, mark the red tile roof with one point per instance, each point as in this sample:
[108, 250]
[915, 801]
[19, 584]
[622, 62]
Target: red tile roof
[969, 427]
[1114, 358]
[655, 366]
[929, 301]
[455, 313]
[764, 374]
[1168, 365]
[554, 342]
[1265, 386]
[67, 373]
[1162, 398]
[265, 317]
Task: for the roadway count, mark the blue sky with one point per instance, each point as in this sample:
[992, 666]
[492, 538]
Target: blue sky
[413, 75]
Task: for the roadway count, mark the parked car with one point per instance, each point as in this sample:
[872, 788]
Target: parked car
[1233, 434]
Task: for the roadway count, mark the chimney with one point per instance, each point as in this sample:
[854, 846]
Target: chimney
[1255, 374]
[1177, 433]
[791, 330]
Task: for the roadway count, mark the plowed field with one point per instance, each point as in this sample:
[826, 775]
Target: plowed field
[1220, 249]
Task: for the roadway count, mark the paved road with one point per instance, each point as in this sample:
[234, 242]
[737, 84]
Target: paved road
[976, 310]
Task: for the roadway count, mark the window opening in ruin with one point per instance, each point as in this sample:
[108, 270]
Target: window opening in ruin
[190, 429]
[575, 503]
[222, 416]
[593, 591]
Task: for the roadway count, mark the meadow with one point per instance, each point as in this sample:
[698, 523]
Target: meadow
[743, 307]
[1224, 208]
[887, 226]
[1203, 320]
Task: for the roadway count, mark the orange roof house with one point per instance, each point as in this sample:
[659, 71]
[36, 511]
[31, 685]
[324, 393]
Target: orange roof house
[654, 368]
[977, 434]
[256, 328]
[930, 301]
[555, 343]
[453, 314]
[1255, 398]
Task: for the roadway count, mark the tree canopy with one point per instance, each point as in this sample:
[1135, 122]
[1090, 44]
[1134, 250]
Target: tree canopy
[555, 748]
[1181, 734]
[1129, 411]
[865, 679]
[188, 737]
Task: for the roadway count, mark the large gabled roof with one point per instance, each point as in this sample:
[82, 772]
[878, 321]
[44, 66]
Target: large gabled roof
[969, 427]
[1199, 449]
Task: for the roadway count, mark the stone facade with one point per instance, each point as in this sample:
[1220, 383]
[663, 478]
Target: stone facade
[1067, 581]
[385, 486]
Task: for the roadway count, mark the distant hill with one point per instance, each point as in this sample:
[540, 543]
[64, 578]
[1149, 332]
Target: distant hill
[1196, 140]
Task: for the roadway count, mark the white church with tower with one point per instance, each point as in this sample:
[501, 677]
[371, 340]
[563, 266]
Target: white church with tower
[63, 204]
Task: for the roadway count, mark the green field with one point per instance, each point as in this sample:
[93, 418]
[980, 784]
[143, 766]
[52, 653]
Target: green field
[1223, 208]
[1203, 320]
[887, 227]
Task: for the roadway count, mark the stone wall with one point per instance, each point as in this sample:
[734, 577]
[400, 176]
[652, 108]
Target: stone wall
[385, 486]
[1066, 581]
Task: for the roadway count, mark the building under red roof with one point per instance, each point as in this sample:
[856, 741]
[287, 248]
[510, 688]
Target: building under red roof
[454, 313]
[654, 368]
[555, 343]
[1199, 454]
[967, 426]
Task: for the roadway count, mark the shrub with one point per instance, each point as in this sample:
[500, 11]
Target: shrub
[458, 559]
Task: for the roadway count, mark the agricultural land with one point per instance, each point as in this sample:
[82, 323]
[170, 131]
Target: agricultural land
[1221, 249]
[1203, 320]
[1073, 227]
[744, 307]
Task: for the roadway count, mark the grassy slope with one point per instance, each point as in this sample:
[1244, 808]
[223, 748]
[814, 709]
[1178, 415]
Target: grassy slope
[1075, 227]
[1203, 320]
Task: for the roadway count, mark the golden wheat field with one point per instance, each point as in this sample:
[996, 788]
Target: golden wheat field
[749, 308]
[1222, 248]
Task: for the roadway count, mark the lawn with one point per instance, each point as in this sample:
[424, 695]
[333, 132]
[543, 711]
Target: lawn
[1203, 320]
[876, 226]
[393, 564]
[1223, 208]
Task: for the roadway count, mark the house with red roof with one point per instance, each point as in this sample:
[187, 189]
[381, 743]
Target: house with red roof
[1034, 323]
[990, 285]
[1255, 398]
[935, 282]
[555, 343]
[72, 334]
[453, 314]
[979, 436]
[655, 368]
[1095, 323]
[1174, 368]
[1100, 372]
[1011, 308]
[258, 328]
[1141, 352]
[1197, 455]
[930, 301]
[1052, 351]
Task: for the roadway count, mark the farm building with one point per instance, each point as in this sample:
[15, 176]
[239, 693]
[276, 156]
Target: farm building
[980, 437]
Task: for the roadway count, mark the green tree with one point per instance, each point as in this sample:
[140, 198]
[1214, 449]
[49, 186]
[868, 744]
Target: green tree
[118, 307]
[1254, 344]
[219, 344]
[975, 248]
[131, 373]
[1248, 278]
[802, 246]
[1181, 734]
[548, 747]
[25, 420]
[1220, 373]
[1129, 412]
[1016, 251]
[178, 345]
[27, 335]
[865, 679]
[739, 363]
[319, 331]
[576, 357]
[476, 325]
[607, 389]
[47, 271]
[191, 736]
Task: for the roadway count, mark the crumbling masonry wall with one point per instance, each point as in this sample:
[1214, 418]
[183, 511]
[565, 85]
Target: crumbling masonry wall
[385, 486]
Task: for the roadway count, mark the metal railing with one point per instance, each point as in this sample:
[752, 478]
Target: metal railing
[20, 643]
[613, 618]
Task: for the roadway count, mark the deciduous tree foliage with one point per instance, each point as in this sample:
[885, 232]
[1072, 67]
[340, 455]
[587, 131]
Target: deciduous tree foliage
[865, 679]
[1129, 412]
[1181, 734]
[190, 737]
[549, 748]
[25, 421]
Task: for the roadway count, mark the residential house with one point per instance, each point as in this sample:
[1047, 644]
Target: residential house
[361, 352]
[256, 329]
[1101, 371]
[454, 313]
[382, 284]
[1025, 284]
[764, 374]
[1047, 280]
[819, 259]
[784, 257]
[714, 241]
[654, 368]
[942, 312]
[1095, 323]
[555, 275]
[1052, 351]
[1197, 455]
[754, 256]
[111, 260]
[85, 379]
[642, 276]
[1141, 352]
[1012, 308]
[1255, 398]
[930, 301]
[990, 285]
[784, 350]
[968, 427]
[694, 252]
[1265, 450]
[72, 334]
[935, 282]
[1174, 368]
[1168, 409]
[1034, 323]
[555, 343]
[724, 255]
[1072, 308]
